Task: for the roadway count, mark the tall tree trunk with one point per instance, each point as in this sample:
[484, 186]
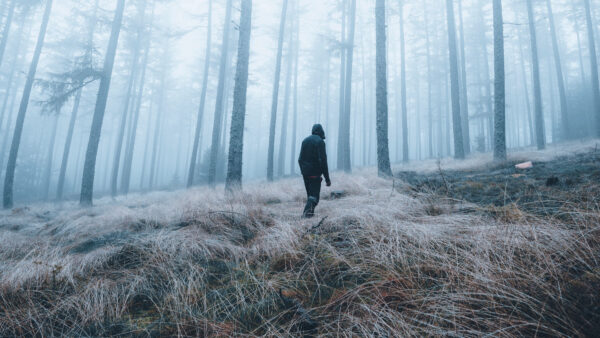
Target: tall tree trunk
[344, 137]
[50, 157]
[564, 110]
[526, 91]
[14, 149]
[486, 70]
[499, 87]
[466, 128]
[459, 149]
[197, 134]
[6, 30]
[274, 101]
[125, 115]
[286, 106]
[383, 153]
[429, 81]
[130, 146]
[537, 91]
[238, 115]
[341, 100]
[89, 169]
[67, 147]
[295, 107]
[405, 154]
[593, 64]
[217, 125]
[157, 127]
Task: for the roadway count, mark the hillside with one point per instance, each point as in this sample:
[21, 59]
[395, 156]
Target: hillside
[459, 248]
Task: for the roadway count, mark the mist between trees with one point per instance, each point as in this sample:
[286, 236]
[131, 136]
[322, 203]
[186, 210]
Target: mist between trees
[109, 97]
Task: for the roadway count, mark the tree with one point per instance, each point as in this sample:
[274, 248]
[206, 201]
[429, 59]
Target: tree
[344, 162]
[286, 105]
[274, 101]
[14, 149]
[537, 90]
[499, 86]
[464, 88]
[194, 158]
[238, 115]
[89, 168]
[403, 86]
[459, 149]
[593, 64]
[383, 153]
[218, 122]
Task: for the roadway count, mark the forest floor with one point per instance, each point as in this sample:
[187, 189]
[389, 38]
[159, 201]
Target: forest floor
[463, 248]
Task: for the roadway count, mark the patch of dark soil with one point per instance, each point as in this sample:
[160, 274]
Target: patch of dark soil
[547, 189]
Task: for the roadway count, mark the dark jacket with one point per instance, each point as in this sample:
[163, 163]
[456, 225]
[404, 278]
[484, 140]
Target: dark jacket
[313, 157]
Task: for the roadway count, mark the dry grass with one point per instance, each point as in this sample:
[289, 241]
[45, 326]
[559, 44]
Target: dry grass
[377, 262]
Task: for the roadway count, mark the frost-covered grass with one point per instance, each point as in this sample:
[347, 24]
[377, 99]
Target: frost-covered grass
[379, 261]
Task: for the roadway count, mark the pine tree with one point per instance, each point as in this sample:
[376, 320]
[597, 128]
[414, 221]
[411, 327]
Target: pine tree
[383, 153]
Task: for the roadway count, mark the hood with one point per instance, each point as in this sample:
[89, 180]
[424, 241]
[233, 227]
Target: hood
[317, 129]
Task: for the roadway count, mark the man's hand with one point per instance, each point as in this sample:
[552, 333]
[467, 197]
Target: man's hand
[328, 183]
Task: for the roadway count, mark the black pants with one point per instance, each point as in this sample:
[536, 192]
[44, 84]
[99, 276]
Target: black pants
[313, 191]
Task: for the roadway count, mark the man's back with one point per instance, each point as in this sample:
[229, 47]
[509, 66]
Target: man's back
[311, 153]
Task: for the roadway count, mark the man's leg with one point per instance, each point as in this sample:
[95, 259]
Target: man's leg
[313, 190]
[308, 208]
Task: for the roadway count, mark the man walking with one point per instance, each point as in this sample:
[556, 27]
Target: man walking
[313, 165]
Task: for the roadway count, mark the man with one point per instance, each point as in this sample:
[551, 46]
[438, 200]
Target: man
[313, 164]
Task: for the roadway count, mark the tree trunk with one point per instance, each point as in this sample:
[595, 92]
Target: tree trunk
[197, 134]
[405, 155]
[286, 107]
[499, 87]
[383, 153]
[14, 149]
[157, 127]
[217, 125]
[593, 65]
[238, 115]
[466, 128]
[429, 82]
[50, 157]
[295, 108]
[564, 110]
[459, 149]
[341, 100]
[274, 101]
[87, 184]
[537, 91]
[67, 147]
[344, 137]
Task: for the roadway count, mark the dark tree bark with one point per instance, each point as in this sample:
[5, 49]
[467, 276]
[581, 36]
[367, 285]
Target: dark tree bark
[499, 86]
[383, 153]
[238, 116]
[16, 142]
[89, 169]
[564, 109]
[217, 125]
[593, 65]
[537, 91]
[466, 128]
[274, 101]
[344, 159]
[195, 148]
[459, 149]
[342, 88]
[405, 155]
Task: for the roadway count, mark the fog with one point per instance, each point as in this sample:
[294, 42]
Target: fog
[155, 90]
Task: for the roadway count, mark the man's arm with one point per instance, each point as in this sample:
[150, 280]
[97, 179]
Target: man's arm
[323, 160]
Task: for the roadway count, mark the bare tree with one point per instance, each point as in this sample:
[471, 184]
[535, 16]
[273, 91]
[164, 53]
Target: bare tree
[537, 89]
[238, 116]
[593, 64]
[16, 142]
[344, 162]
[499, 86]
[383, 153]
[466, 129]
[274, 101]
[405, 155]
[89, 169]
[195, 148]
[217, 125]
[459, 149]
